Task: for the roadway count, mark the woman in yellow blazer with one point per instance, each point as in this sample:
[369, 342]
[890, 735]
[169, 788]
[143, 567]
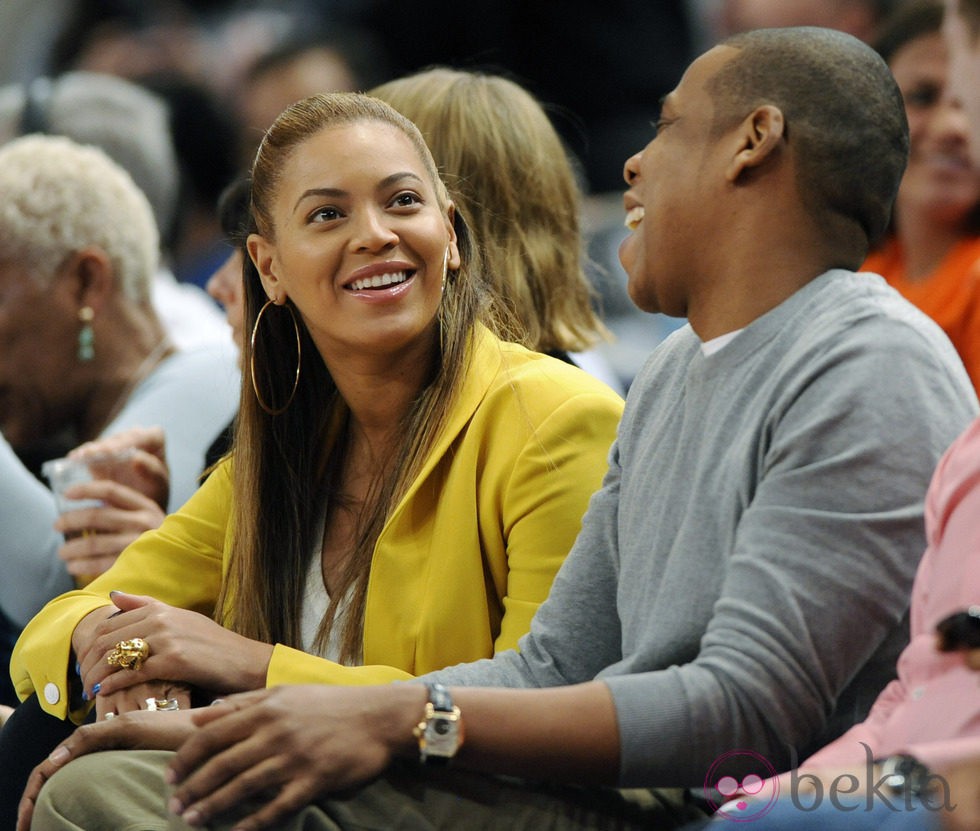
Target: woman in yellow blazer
[475, 517]
[458, 569]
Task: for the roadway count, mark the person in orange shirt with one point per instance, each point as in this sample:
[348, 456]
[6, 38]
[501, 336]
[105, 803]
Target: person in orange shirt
[932, 254]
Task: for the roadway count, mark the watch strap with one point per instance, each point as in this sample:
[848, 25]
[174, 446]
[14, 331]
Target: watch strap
[440, 698]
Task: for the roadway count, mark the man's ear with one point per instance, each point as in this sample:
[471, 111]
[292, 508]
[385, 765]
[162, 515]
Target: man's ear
[263, 256]
[759, 135]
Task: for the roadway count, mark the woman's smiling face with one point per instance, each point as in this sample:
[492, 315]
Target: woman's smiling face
[361, 242]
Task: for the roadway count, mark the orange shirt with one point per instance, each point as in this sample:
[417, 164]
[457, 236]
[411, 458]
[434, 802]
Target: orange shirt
[950, 295]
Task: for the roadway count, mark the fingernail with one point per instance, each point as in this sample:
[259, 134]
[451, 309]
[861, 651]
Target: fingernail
[59, 755]
[78, 669]
[174, 805]
[114, 591]
[192, 817]
[96, 688]
[170, 777]
[84, 695]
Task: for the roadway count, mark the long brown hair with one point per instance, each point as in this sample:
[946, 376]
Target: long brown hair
[510, 176]
[286, 465]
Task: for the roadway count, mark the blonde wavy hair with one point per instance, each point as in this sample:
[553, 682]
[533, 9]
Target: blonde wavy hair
[511, 178]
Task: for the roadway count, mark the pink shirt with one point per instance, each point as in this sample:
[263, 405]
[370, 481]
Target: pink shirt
[932, 710]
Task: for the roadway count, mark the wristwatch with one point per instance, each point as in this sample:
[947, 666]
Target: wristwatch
[440, 733]
[903, 774]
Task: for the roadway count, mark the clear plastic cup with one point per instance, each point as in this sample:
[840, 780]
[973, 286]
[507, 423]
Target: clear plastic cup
[62, 474]
[65, 472]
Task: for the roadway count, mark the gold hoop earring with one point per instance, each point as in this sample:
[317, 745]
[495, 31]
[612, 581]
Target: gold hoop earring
[299, 355]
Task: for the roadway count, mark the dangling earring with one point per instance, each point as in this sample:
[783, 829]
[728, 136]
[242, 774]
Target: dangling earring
[299, 354]
[445, 268]
[86, 335]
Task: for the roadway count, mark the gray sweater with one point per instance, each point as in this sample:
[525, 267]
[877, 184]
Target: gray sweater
[742, 578]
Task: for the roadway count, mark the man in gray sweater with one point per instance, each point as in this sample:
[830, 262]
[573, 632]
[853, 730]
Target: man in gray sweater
[738, 589]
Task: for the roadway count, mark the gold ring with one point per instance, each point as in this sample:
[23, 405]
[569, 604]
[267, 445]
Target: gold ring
[163, 704]
[129, 654]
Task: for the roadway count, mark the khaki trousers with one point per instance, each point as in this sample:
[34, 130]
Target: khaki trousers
[125, 791]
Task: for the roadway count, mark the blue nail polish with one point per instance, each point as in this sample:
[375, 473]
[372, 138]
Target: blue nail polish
[84, 695]
[96, 688]
[78, 669]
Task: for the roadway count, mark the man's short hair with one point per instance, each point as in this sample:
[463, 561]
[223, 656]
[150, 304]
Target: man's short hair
[843, 111]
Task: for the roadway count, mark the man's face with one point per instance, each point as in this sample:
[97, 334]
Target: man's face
[964, 69]
[669, 201]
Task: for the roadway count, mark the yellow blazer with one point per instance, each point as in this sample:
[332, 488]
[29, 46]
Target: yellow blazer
[459, 568]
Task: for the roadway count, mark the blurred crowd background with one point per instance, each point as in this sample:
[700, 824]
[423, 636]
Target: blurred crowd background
[228, 67]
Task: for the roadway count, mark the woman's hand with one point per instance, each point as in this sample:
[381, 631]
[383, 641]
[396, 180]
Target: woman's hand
[133, 731]
[135, 458]
[94, 537]
[284, 747]
[137, 697]
[184, 647]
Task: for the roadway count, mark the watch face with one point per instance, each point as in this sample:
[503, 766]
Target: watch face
[442, 735]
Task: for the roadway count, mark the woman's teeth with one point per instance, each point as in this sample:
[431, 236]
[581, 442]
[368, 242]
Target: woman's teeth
[634, 217]
[379, 281]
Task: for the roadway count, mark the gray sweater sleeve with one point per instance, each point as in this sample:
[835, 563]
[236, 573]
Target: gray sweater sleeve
[33, 573]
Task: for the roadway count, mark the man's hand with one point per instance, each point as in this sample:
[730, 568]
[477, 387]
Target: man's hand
[284, 747]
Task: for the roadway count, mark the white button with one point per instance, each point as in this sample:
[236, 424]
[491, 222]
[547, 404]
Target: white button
[51, 693]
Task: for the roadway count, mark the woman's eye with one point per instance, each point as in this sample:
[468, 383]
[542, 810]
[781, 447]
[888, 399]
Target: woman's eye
[406, 200]
[325, 215]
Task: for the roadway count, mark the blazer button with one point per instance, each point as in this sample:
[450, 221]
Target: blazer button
[51, 693]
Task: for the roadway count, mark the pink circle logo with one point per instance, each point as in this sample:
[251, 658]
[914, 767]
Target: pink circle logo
[741, 799]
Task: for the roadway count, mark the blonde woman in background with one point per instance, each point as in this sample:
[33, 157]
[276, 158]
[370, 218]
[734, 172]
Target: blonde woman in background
[513, 181]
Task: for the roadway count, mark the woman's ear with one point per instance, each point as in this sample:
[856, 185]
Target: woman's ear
[453, 258]
[759, 135]
[263, 255]
[93, 276]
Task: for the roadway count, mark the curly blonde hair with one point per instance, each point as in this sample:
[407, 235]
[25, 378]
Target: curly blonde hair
[60, 197]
